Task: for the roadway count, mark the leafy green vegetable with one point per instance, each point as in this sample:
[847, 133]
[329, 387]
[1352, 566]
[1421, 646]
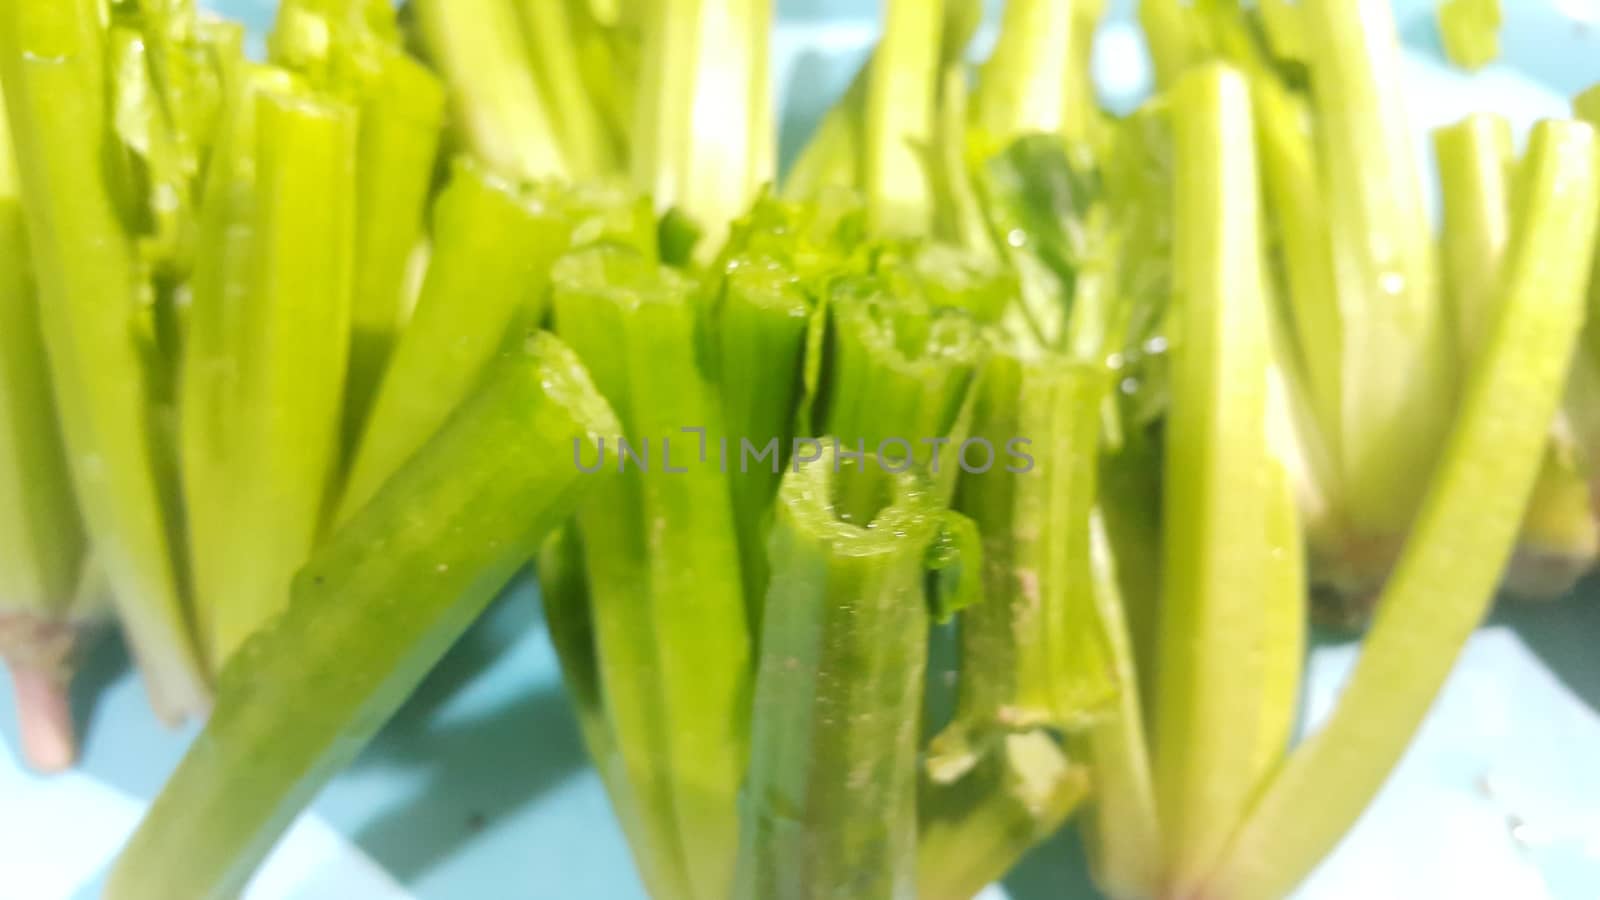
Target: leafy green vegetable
[373, 611]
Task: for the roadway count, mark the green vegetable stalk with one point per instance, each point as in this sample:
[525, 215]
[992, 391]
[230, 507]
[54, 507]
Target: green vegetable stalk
[865, 119]
[900, 376]
[269, 337]
[900, 106]
[831, 798]
[1121, 828]
[91, 292]
[568, 614]
[552, 33]
[495, 101]
[353, 50]
[703, 129]
[1034, 654]
[975, 830]
[1470, 30]
[41, 535]
[662, 562]
[1220, 580]
[372, 612]
[1560, 539]
[1384, 268]
[493, 244]
[1463, 535]
[761, 321]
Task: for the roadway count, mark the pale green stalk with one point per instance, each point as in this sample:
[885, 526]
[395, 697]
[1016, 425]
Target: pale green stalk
[552, 48]
[41, 536]
[1299, 205]
[1216, 582]
[974, 831]
[493, 245]
[1476, 169]
[900, 108]
[704, 116]
[1463, 536]
[1174, 37]
[401, 109]
[263, 384]
[495, 99]
[570, 618]
[1470, 30]
[1477, 166]
[1121, 828]
[90, 295]
[1023, 87]
[1384, 268]
[1035, 653]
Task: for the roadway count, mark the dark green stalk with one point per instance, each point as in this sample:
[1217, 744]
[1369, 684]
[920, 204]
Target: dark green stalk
[372, 612]
[830, 807]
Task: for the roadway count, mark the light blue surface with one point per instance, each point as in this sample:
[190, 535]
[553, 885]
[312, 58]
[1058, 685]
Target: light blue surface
[479, 789]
